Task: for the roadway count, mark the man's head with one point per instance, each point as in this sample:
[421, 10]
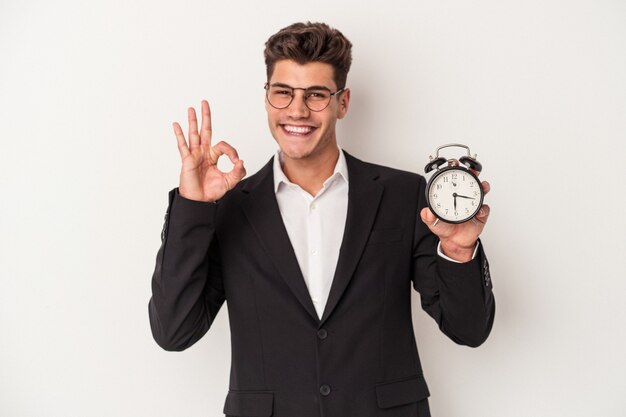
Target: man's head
[310, 42]
[299, 57]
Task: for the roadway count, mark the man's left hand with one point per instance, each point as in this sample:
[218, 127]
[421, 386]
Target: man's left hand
[459, 240]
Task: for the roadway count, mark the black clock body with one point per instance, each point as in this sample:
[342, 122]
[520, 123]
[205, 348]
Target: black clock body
[453, 182]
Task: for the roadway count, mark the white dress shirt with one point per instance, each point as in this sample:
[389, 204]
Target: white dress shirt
[315, 225]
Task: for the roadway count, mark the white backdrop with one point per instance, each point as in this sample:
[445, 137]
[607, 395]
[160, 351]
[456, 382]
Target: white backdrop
[88, 92]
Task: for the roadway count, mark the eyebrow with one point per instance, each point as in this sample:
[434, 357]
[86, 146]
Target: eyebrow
[313, 87]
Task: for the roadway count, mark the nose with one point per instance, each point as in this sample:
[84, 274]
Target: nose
[298, 109]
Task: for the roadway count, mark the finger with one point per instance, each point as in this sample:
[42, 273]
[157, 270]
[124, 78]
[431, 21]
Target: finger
[223, 148]
[486, 187]
[194, 138]
[205, 130]
[180, 138]
[477, 173]
[483, 214]
[236, 174]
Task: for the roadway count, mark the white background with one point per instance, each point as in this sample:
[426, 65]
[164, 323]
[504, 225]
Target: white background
[88, 92]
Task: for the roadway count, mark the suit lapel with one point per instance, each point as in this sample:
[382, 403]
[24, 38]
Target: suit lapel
[261, 209]
[363, 200]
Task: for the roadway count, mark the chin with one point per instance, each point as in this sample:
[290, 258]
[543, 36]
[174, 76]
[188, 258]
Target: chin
[292, 153]
[297, 149]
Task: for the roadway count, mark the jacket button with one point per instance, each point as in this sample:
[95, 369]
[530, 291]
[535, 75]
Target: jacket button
[322, 334]
[325, 390]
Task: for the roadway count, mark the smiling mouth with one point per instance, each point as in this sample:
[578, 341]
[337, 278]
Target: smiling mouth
[297, 130]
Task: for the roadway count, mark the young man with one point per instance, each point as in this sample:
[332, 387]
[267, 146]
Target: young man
[315, 255]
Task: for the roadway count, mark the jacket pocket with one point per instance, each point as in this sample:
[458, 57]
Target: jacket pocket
[399, 392]
[385, 235]
[249, 403]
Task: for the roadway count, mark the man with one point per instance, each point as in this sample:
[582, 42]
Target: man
[315, 255]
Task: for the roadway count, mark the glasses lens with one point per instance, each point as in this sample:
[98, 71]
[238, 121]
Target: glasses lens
[317, 99]
[279, 97]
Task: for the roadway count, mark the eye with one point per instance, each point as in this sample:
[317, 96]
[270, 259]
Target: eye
[282, 92]
[317, 94]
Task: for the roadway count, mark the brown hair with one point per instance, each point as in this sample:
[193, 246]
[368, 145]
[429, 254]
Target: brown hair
[310, 42]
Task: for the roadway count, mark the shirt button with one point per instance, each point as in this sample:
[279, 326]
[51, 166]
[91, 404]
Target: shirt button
[322, 334]
[313, 206]
[324, 390]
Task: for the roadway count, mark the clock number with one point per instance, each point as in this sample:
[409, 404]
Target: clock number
[438, 205]
[435, 196]
[475, 193]
[454, 176]
[446, 179]
[439, 186]
[456, 213]
[446, 211]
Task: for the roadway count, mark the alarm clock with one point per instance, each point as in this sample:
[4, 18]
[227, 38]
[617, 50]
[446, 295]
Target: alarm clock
[454, 193]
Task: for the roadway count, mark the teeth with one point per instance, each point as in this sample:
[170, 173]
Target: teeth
[298, 129]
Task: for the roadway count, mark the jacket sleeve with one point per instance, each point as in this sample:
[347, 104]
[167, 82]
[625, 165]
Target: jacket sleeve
[457, 295]
[187, 286]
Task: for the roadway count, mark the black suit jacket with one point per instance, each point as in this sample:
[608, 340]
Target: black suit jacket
[360, 359]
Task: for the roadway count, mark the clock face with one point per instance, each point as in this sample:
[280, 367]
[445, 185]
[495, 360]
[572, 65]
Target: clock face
[454, 195]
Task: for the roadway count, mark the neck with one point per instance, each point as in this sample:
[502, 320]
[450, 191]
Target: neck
[311, 174]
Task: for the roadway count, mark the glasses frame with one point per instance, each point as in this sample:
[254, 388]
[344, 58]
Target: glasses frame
[266, 87]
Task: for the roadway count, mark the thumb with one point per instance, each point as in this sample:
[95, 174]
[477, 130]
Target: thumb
[238, 171]
[427, 216]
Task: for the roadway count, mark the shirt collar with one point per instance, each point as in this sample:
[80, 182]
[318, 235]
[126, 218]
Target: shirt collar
[341, 170]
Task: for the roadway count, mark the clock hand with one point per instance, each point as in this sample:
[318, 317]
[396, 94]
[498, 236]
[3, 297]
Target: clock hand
[454, 195]
[463, 196]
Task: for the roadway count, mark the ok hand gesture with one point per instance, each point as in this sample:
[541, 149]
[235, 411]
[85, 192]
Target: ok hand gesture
[200, 179]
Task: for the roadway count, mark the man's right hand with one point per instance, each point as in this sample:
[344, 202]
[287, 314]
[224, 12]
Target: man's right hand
[200, 179]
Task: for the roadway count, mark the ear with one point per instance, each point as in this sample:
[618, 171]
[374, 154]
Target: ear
[344, 103]
[267, 105]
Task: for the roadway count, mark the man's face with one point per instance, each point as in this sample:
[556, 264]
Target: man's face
[301, 133]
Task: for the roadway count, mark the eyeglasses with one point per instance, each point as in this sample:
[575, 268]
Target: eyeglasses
[316, 98]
